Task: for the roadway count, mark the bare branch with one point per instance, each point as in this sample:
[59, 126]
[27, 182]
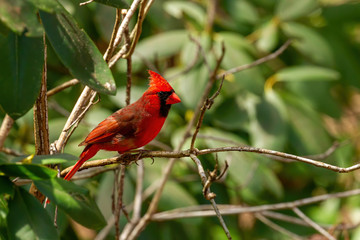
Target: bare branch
[206, 210]
[277, 227]
[110, 50]
[209, 195]
[5, 129]
[128, 158]
[202, 51]
[87, 2]
[61, 87]
[126, 21]
[312, 223]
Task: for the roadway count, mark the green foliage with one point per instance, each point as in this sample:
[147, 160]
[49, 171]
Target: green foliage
[21, 64]
[298, 103]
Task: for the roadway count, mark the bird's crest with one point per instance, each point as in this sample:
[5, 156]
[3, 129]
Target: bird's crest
[158, 83]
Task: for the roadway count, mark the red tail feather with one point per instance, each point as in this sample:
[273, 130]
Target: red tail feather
[89, 152]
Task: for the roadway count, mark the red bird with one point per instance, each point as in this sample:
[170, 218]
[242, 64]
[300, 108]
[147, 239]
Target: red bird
[132, 126]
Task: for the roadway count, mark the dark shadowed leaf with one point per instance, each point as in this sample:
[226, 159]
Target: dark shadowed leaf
[27, 218]
[77, 51]
[73, 200]
[310, 43]
[31, 171]
[114, 3]
[268, 119]
[6, 185]
[21, 63]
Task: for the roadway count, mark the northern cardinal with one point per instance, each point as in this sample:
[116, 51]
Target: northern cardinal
[132, 126]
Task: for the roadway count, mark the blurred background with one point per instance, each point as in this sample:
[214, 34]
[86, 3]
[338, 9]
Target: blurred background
[301, 103]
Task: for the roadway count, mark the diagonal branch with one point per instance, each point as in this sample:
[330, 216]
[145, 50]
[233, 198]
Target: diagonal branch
[313, 224]
[259, 61]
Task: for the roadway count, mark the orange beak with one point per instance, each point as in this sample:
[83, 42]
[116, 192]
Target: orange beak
[173, 98]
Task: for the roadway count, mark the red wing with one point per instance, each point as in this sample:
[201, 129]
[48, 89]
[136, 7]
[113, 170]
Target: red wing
[121, 122]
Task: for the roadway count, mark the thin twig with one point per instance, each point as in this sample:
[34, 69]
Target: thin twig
[119, 202]
[327, 153]
[138, 192]
[257, 62]
[202, 51]
[298, 221]
[41, 127]
[5, 129]
[207, 105]
[312, 223]
[111, 47]
[210, 196]
[189, 66]
[61, 87]
[87, 2]
[126, 21]
[277, 227]
[11, 152]
[206, 210]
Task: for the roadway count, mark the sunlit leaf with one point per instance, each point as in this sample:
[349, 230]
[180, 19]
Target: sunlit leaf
[73, 200]
[31, 171]
[306, 73]
[269, 36]
[160, 45]
[191, 9]
[310, 43]
[293, 9]
[77, 51]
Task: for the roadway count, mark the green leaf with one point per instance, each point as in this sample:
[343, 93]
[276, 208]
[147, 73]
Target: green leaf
[6, 185]
[271, 182]
[268, 118]
[190, 84]
[293, 9]
[236, 41]
[251, 79]
[31, 171]
[171, 195]
[47, 159]
[77, 51]
[231, 114]
[307, 130]
[178, 9]
[73, 200]
[243, 12]
[27, 219]
[269, 36]
[21, 64]
[53, 159]
[306, 73]
[160, 45]
[310, 43]
[20, 17]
